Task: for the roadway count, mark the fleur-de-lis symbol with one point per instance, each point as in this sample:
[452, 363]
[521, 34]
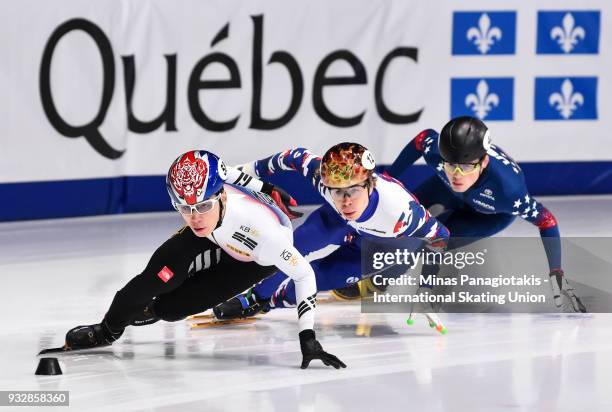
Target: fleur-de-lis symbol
[567, 101]
[568, 36]
[484, 36]
[482, 102]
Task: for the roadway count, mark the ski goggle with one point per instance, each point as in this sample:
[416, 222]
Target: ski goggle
[464, 169]
[201, 208]
[338, 193]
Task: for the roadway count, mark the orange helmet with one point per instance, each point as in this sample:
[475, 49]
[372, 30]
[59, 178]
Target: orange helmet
[346, 164]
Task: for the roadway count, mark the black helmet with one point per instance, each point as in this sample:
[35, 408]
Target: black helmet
[463, 140]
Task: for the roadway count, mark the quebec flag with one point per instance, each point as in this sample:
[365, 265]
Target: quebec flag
[568, 32]
[486, 32]
[485, 98]
[566, 98]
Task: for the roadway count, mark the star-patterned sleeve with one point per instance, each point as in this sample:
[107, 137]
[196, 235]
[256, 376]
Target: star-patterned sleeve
[299, 160]
[536, 213]
[416, 148]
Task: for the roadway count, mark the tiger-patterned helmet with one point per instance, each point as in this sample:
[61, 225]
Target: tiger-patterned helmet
[194, 177]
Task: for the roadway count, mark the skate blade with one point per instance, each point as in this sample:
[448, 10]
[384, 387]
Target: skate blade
[331, 299]
[54, 350]
[215, 323]
[201, 316]
[67, 349]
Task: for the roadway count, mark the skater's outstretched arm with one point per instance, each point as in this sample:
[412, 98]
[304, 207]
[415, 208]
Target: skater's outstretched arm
[411, 153]
[529, 209]
[289, 260]
[299, 160]
[283, 200]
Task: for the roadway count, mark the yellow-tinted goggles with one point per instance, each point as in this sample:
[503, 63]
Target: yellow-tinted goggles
[464, 169]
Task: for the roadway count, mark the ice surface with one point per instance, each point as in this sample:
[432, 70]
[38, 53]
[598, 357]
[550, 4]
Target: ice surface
[62, 273]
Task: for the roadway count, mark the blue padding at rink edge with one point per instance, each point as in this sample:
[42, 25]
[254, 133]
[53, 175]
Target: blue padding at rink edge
[83, 197]
[128, 194]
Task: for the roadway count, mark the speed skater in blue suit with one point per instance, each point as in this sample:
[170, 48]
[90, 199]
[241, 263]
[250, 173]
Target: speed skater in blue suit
[481, 191]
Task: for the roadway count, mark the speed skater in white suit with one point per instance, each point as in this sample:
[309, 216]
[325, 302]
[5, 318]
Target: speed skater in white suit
[239, 236]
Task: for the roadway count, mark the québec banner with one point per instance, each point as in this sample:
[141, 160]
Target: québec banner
[108, 93]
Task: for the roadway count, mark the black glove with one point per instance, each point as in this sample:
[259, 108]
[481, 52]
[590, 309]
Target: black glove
[282, 199]
[563, 293]
[311, 349]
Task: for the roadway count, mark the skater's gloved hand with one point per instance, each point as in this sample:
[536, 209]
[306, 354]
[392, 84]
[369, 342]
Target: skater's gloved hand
[563, 294]
[311, 349]
[282, 199]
